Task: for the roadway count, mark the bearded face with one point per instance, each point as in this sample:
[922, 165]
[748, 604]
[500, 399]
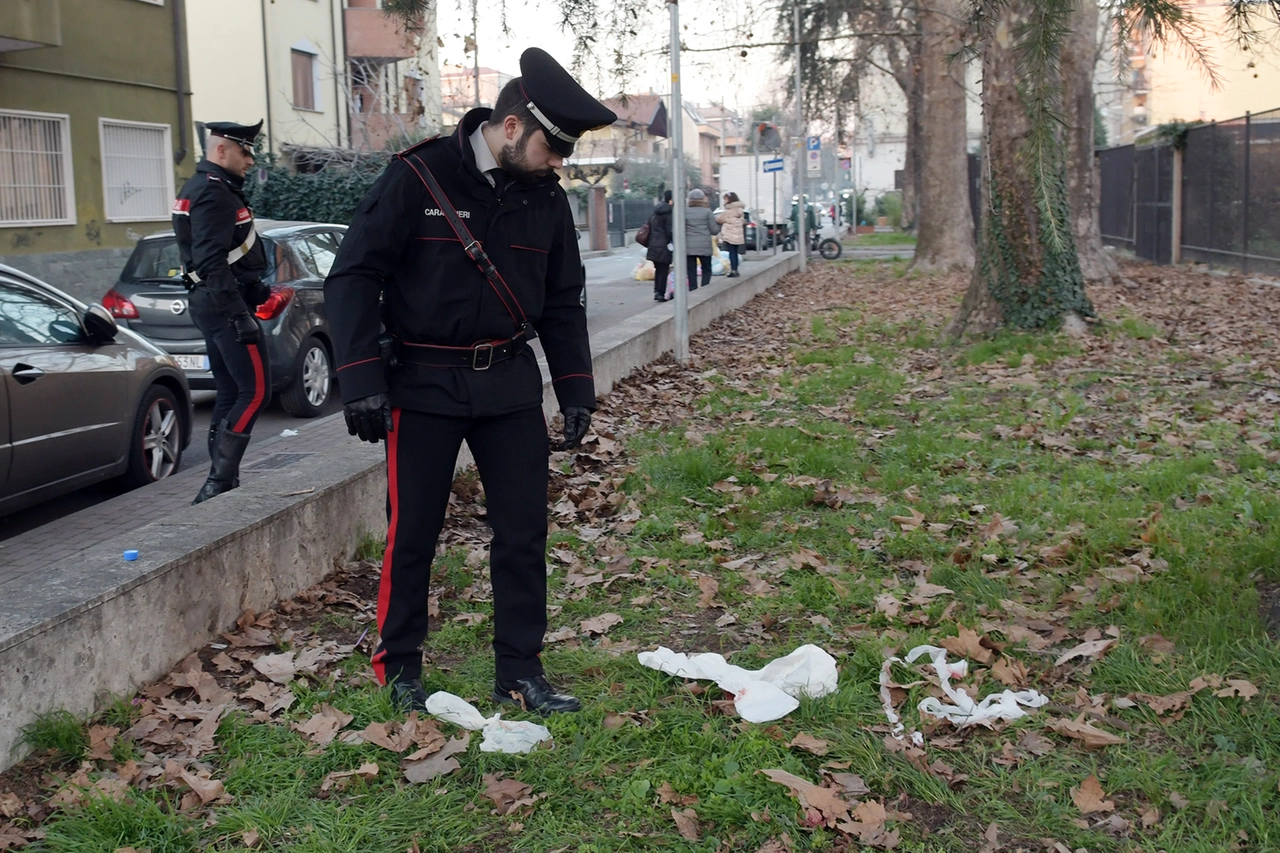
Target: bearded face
[517, 162]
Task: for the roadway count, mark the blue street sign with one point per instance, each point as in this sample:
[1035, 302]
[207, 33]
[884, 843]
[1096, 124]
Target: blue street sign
[772, 165]
[814, 143]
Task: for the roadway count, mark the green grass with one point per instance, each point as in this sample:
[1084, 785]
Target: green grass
[884, 238]
[60, 732]
[1056, 460]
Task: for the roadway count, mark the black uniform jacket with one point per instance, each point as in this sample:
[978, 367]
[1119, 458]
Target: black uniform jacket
[400, 247]
[214, 227]
[660, 234]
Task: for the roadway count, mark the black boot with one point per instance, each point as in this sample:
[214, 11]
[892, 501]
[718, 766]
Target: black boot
[213, 451]
[224, 474]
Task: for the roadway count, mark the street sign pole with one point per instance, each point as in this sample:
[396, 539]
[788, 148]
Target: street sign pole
[678, 193]
[801, 153]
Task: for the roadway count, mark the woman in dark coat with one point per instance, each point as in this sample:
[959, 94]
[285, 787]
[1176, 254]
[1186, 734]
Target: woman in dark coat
[659, 239]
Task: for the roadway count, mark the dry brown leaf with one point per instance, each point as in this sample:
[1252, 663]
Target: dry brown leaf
[324, 725]
[206, 789]
[991, 840]
[909, 522]
[101, 740]
[686, 823]
[709, 587]
[601, 624]
[888, 604]
[668, 796]
[392, 736]
[279, 668]
[439, 763]
[1237, 687]
[825, 800]
[10, 804]
[1093, 738]
[250, 838]
[967, 644]
[507, 794]
[1091, 649]
[367, 771]
[1010, 672]
[809, 743]
[1090, 797]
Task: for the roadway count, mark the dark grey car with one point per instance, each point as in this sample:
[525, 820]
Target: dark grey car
[81, 401]
[149, 299]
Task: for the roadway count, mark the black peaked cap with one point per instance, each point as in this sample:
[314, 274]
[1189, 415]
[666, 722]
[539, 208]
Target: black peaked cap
[563, 107]
[244, 134]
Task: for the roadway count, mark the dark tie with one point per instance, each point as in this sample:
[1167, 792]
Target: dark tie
[499, 179]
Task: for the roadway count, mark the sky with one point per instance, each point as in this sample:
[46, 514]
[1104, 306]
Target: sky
[706, 77]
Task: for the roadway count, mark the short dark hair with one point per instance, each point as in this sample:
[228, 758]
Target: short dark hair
[512, 102]
[666, 196]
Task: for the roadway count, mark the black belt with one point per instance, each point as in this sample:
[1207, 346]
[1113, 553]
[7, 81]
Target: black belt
[479, 357]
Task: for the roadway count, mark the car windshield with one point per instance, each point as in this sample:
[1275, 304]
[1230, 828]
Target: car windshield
[158, 260]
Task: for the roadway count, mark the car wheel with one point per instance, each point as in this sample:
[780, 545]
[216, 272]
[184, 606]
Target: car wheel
[312, 381]
[156, 442]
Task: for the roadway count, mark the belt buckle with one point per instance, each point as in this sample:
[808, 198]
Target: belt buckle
[475, 356]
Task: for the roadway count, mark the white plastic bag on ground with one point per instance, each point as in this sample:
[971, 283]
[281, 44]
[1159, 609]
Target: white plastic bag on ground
[644, 271]
[512, 736]
[762, 696]
[1006, 705]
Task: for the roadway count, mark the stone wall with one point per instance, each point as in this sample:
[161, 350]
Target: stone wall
[85, 275]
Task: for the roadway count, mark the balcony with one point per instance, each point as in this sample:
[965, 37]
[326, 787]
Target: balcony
[373, 35]
[27, 24]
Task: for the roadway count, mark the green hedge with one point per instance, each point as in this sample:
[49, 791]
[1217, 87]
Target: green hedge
[330, 195]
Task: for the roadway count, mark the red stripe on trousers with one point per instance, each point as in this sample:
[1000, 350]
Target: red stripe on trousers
[384, 583]
[259, 390]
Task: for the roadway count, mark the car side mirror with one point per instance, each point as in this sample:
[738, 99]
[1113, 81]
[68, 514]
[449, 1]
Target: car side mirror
[99, 325]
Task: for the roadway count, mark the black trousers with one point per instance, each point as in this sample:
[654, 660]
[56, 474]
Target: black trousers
[693, 270]
[511, 454]
[660, 278]
[241, 373]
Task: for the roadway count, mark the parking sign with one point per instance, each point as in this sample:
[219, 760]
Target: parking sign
[814, 143]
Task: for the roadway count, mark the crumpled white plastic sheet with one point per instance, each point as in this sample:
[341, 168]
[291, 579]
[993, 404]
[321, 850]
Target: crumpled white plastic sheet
[512, 736]
[1006, 705]
[760, 696]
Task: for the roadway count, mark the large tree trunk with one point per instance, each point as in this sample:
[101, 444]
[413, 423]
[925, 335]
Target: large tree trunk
[1079, 58]
[944, 237]
[1027, 274]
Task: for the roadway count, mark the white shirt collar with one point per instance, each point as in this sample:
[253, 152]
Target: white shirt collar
[484, 157]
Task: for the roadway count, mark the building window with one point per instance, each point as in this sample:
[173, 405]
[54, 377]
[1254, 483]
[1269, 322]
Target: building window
[36, 186]
[304, 79]
[137, 170]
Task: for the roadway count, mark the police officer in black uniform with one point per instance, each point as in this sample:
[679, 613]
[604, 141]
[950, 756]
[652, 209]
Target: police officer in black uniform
[223, 262]
[463, 369]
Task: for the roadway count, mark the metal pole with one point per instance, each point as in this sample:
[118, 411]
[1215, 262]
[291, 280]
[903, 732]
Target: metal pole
[475, 44]
[801, 245]
[755, 182]
[1248, 136]
[773, 200]
[677, 194]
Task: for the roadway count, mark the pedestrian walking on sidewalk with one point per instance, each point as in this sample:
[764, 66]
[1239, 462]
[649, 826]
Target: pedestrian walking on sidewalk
[699, 227]
[222, 266]
[660, 245]
[464, 250]
[732, 230]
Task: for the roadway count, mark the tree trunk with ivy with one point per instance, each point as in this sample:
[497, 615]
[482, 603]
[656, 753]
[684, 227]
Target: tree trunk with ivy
[944, 236]
[1027, 273]
[1079, 58]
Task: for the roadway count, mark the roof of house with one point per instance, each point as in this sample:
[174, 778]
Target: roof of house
[640, 111]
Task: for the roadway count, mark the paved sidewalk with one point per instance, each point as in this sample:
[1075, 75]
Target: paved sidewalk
[24, 556]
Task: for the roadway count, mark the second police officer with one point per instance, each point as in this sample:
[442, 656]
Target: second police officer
[223, 261]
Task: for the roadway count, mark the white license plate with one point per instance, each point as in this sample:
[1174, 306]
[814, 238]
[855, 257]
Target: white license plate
[192, 362]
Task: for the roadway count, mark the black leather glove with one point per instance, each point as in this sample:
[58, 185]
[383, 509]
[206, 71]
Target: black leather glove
[577, 421]
[256, 293]
[247, 331]
[369, 417]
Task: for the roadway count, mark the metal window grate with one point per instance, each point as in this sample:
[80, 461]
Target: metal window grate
[35, 173]
[137, 176]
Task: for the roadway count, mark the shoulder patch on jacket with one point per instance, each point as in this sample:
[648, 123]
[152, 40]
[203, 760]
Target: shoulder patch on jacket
[213, 177]
[418, 145]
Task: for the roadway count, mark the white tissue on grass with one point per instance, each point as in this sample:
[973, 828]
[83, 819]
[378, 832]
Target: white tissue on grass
[512, 736]
[288, 433]
[1006, 705]
[760, 696]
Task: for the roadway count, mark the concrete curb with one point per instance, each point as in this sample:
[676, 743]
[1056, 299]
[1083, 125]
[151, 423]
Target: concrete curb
[96, 626]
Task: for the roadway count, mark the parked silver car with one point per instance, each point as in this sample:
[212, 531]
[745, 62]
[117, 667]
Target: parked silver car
[149, 299]
[81, 400]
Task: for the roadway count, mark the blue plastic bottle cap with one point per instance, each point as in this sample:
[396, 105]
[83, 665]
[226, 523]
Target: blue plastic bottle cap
[131, 554]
